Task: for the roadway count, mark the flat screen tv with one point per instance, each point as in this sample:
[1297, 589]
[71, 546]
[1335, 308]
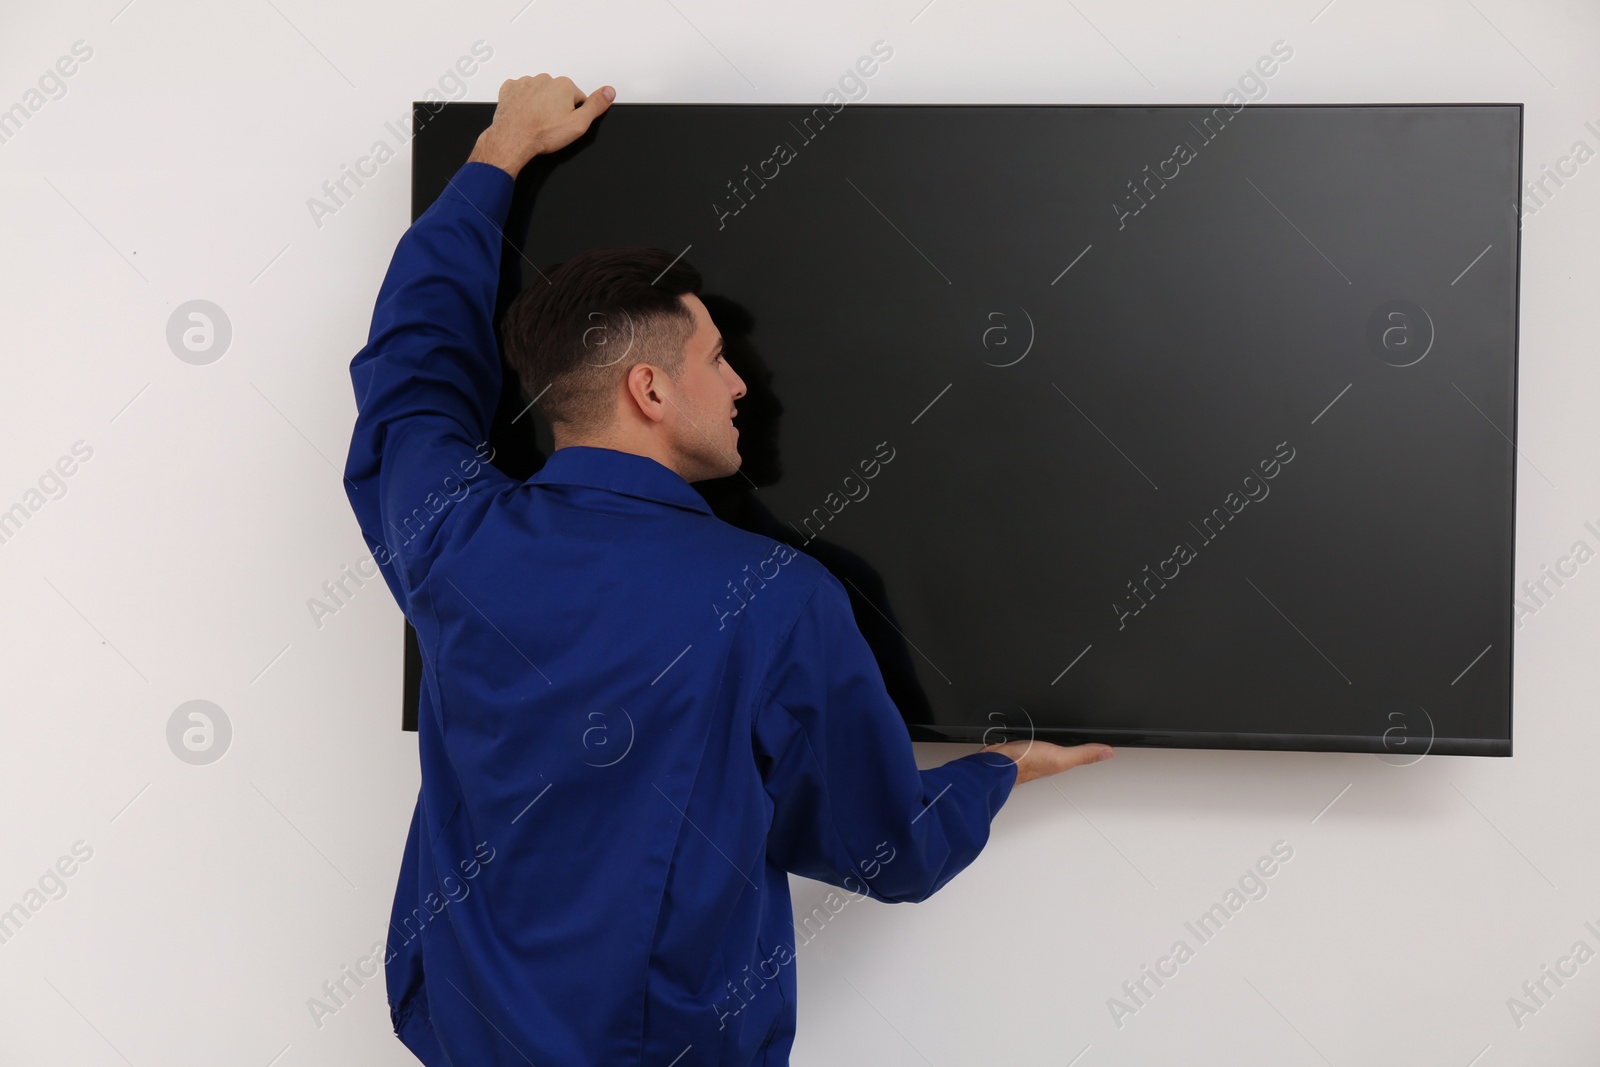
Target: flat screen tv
[1178, 426]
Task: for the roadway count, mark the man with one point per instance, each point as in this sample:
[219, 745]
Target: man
[621, 763]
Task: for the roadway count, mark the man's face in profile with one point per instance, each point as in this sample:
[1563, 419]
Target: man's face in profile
[704, 434]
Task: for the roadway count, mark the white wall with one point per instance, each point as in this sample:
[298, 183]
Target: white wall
[177, 566]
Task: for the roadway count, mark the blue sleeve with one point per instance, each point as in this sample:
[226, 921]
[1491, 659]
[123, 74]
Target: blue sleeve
[428, 380]
[850, 807]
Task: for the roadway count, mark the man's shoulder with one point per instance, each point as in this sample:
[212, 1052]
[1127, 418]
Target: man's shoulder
[759, 574]
[732, 544]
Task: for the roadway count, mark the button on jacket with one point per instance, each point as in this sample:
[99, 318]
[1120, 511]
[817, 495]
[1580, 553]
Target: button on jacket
[635, 719]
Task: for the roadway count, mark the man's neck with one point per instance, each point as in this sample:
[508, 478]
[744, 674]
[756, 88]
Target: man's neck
[647, 448]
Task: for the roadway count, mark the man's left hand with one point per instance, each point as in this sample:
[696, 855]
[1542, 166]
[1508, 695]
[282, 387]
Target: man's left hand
[537, 114]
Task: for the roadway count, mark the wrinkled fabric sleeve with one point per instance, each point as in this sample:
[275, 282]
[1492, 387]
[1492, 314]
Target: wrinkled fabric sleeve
[850, 807]
[428, 379]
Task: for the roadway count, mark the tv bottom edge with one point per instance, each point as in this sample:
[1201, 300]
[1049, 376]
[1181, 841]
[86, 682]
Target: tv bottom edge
[1407, 748]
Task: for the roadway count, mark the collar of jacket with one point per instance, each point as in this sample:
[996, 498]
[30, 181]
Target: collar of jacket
[620, 472]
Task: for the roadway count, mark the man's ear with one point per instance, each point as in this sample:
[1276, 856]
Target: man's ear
[644, 384]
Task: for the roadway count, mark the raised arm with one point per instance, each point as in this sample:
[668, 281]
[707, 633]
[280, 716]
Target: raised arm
[428, 380]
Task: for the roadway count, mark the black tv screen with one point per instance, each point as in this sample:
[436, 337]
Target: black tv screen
[1180, 426]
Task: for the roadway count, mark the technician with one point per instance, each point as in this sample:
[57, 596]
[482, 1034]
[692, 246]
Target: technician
[618, 773]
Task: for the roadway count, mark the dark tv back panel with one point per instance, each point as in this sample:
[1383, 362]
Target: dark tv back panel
[1202, 422]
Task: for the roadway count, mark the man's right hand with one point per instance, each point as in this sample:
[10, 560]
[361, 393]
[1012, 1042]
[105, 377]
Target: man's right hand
[1040, 759]
[537, 114]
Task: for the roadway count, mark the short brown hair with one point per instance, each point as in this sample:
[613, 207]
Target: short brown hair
[573, 335]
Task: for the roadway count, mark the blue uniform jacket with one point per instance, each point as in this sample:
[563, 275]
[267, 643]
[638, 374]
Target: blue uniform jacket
[635, 719]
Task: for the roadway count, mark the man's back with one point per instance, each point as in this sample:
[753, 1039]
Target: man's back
[602, 718]
[588, 691]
